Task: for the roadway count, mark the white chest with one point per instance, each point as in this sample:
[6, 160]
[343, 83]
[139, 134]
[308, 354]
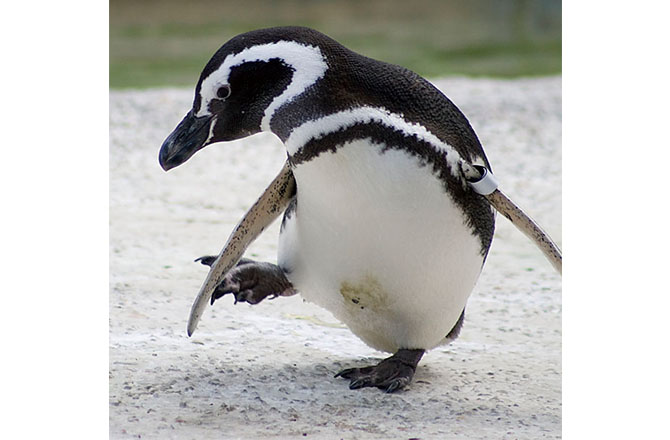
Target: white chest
[377, 241]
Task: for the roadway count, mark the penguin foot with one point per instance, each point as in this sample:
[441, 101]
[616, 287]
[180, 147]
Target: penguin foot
[391, 374]
[251, 281]
[206, 260]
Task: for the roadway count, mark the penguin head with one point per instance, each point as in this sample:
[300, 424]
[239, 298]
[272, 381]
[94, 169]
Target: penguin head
[243, 85]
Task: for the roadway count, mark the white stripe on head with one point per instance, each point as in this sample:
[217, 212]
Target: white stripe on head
[318, 128]
[308, 63]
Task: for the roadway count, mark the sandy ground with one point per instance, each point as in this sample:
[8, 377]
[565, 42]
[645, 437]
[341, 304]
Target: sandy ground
[267, 371]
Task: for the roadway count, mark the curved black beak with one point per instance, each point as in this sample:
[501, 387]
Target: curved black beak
[189, 137]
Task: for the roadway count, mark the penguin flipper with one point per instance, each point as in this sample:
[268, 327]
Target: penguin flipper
[391, 374]
[269, 205]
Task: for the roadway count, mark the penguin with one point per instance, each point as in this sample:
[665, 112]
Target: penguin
[380, 227]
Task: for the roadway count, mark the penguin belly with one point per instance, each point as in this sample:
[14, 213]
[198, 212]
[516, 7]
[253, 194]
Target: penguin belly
[376, 239]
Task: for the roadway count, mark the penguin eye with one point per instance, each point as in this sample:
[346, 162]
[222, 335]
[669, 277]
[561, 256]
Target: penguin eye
[223, 92]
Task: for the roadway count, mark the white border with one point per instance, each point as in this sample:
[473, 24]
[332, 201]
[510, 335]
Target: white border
[318, 128]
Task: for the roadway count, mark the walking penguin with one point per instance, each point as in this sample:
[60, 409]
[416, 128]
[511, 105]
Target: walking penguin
[380, 226]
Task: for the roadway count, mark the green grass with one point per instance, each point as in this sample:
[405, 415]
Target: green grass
[167, 43]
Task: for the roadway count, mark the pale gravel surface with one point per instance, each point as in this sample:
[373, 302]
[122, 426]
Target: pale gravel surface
[267, 371]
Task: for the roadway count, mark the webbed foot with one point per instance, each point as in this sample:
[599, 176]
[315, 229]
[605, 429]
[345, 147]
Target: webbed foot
[391, 374]
[251, 281]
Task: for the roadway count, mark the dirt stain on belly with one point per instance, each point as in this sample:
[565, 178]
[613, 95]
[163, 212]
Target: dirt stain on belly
[366, 294]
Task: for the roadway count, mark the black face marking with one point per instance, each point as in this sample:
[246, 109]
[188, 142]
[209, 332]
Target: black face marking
[477, 209]
[216, 106]
[255, 84]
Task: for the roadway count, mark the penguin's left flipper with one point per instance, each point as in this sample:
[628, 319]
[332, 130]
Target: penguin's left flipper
[251, 281]
[391, 374]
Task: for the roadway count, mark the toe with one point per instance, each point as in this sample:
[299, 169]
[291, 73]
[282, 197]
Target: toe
[346, 374]
[228, 285]
[246, 296]
[396, 385]
[206, 260]
[393, 387]
[361, 382]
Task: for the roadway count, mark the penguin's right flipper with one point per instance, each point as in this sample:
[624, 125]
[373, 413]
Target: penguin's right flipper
[268, 207]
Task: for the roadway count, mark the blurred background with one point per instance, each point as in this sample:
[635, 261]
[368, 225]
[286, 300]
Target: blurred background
[167, 42]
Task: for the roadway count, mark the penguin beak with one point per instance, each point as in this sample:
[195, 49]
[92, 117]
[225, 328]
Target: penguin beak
[189, 137]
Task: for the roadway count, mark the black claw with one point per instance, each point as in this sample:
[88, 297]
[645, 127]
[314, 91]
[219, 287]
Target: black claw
[359, 383]
[394, 386]
[206, 260]
[345, 373]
